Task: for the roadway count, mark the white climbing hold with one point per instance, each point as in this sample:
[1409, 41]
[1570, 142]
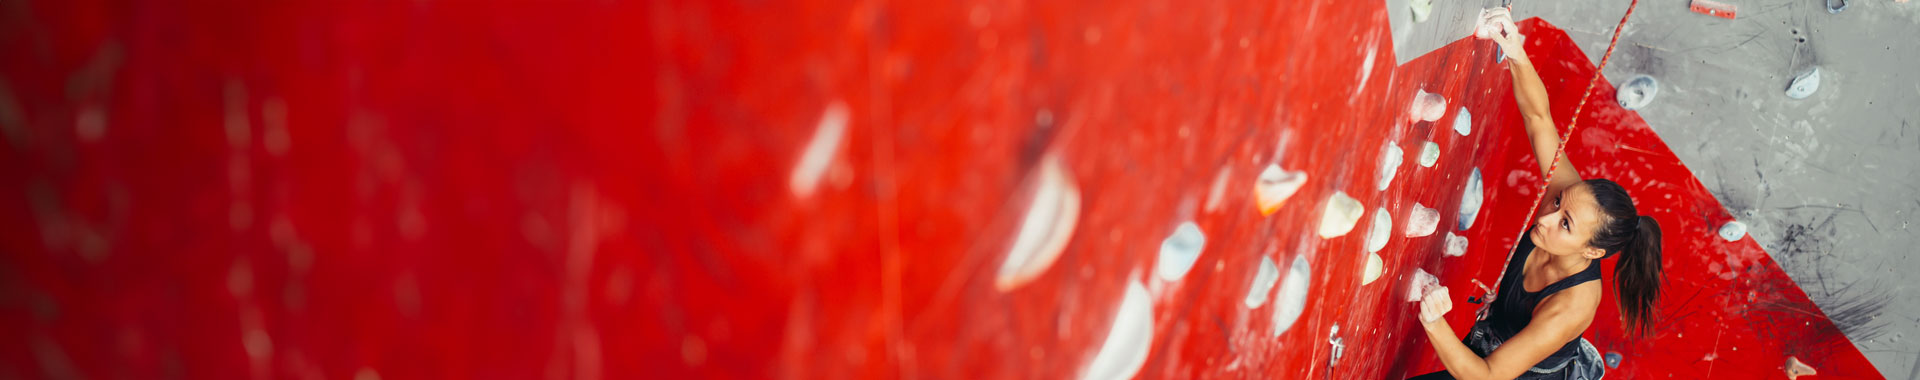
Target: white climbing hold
[1422, 221]
[1046, 228]
[1804, 84]
[1374, 267]
[1263, 283]
[1422, 9]
[1218, 191]
[1493, 22]
[1637, 92]
[1488, 28]
[818, 155]
[1293, 295]
[1340, 214]
[1334, 346]
[1421, 283]
[1128, 341]
[1426, 106]
[1456, 245]
[1381, 230]
[1275, 186]
[1463, 122]
[1366, 69]
[1470, 200]
[1429, 154]
[1390, 158]
[1733, 230]
[1180, 250]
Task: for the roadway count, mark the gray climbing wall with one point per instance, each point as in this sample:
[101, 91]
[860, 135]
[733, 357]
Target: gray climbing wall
[1828, 184]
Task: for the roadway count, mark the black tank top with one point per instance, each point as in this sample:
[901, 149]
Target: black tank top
[1512, 309]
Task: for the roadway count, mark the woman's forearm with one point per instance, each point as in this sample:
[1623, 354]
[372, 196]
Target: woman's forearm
[1460, 361]
[1529, 92]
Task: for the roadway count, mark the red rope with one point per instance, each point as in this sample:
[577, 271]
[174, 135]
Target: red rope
[1571, 124]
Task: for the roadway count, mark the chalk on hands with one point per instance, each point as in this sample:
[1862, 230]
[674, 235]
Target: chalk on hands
[1435, 305]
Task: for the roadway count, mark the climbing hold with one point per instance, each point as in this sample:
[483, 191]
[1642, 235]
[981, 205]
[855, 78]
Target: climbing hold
[1713, 8]
[1796, 369]
[1637, 92]
[1341, 213]
[1613, 360]
[1263, 283]
[1180, 250]
[1487, 28]
[1218, 191]
[1462, 123]
[1494, 22]
[1429, 154]
[1275, 186]
[1470, 200]
[1733, 230]
[1045, 229]
[1422, 9]
[1125, 349]
[1422, 221]
[1835, 6]
[1421, 283]
[1456, 245]
[1390, 158]
[1337, 348]
[1372, 272]
[1293, 295]
[1381, 229]
[1426, 106]
[1804, 84]
[817, 157]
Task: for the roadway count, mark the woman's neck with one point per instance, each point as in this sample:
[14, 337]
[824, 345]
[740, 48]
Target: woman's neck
[1567, 265]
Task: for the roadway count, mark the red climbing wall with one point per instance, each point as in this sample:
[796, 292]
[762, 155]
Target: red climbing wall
[793, 189]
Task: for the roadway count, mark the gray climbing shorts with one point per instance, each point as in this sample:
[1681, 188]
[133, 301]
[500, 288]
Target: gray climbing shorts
[1584, 363]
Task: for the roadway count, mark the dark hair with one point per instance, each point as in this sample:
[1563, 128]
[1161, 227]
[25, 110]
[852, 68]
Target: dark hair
[1637, 276]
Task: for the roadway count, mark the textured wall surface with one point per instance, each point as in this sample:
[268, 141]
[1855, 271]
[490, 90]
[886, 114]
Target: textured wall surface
[785, 189]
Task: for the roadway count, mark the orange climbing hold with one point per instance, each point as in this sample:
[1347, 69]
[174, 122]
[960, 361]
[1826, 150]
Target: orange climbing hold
[1713, 8]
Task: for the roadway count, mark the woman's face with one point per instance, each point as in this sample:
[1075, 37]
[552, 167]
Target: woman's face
[1570, 225]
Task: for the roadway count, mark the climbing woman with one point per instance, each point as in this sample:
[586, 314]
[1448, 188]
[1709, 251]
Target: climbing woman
[1550, 290]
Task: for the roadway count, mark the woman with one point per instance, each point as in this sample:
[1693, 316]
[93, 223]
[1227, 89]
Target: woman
[1549, 292]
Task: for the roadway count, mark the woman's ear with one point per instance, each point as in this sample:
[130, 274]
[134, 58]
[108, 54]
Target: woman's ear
[1593, 253]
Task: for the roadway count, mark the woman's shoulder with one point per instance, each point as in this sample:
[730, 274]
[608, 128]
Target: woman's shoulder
[1581, 300]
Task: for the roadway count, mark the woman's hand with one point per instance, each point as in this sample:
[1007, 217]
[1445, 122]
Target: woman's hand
[1434, 307]
[1497, 24]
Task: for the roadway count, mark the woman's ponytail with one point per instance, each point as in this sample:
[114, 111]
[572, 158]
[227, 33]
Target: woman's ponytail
[1635, 239]
[1637, 277]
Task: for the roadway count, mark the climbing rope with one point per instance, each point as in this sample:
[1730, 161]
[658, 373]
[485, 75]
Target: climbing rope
[1547, 180]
